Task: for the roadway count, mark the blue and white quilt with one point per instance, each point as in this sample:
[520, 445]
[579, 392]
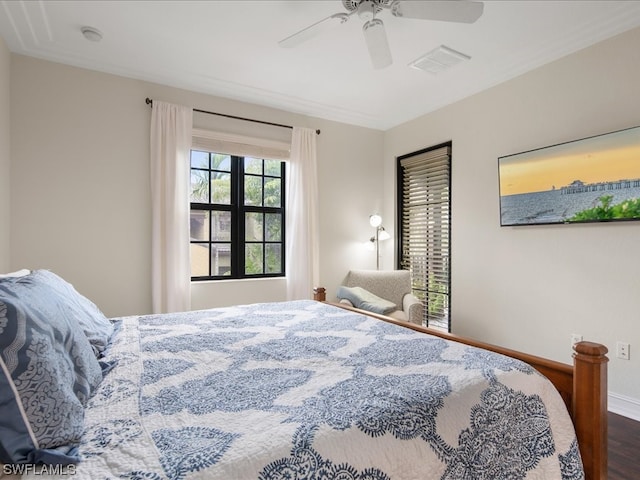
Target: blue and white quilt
[305, 390]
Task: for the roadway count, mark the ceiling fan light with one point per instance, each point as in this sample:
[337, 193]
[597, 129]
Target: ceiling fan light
[366, 10]
[376, 39]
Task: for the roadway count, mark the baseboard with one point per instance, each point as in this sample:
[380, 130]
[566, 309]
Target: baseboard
[625, 406]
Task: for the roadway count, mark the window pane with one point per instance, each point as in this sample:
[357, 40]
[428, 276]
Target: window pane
[199, 225]
[221, 259]
[220, 162]
[217, 212]
[272, 167]
[199, 186]
[274, 258]
[253, 165]
[220, 226]
[199, 259]
[221, 188]
[253, 227]
[253, 259]
[199, 159]
[272, 192]
[273, 227]
[253, 190]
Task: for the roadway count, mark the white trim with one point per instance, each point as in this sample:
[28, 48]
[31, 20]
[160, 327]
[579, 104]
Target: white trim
[625, 406]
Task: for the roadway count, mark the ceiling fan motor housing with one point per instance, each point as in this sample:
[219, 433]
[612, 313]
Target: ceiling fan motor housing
[366, 9]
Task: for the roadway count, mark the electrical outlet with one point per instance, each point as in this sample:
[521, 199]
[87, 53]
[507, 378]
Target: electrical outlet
[575, 338]
[622, 350]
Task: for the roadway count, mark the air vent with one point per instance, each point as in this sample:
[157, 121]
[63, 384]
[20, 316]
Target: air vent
[438, 60]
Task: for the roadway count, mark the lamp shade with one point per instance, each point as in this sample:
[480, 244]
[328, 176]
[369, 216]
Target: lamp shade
[375, 220]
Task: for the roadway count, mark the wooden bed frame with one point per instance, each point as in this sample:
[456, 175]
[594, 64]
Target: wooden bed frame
[583, 387]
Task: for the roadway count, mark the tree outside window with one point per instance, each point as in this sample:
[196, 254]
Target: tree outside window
[237, 216]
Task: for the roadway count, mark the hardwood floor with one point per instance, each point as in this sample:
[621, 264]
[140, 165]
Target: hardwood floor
[624, 448]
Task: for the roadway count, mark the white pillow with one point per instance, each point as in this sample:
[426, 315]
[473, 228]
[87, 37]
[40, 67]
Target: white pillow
[18, 273]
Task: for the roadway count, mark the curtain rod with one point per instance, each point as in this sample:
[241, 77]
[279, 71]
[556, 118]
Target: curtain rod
[148, 101]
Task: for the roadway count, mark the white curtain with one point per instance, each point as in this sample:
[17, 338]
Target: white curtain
[171, 127]
[302, 249]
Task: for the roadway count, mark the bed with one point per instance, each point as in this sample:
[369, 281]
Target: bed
[302, 390]
[583, 387]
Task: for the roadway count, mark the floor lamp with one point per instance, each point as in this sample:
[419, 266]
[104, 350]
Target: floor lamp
[375, 221]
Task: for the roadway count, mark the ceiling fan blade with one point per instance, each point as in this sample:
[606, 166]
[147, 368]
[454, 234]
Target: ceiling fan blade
[313, 30]
[377, 44]
[460, 11]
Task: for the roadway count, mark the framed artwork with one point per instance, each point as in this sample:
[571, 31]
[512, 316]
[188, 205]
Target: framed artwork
[594, 179]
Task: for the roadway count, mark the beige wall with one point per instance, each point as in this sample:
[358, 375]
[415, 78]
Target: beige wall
[81, 196]
[351, 189]
[5, 155]
[530, 288]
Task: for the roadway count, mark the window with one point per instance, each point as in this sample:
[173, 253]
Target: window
[237, 216]
[424, 204]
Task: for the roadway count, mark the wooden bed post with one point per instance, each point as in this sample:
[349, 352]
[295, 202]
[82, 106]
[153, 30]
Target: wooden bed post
[590, 395]
[319, 294]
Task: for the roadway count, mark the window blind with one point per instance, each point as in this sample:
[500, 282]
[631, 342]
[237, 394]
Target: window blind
[240, 145]
[425, 230]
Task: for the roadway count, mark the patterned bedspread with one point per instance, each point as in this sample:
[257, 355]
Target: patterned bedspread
[304, 390]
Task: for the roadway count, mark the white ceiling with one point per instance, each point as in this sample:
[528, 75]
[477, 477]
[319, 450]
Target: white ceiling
[230, 49]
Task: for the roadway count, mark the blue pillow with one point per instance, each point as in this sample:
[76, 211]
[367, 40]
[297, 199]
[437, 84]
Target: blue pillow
[93, 322]
[364, 299]
[48, 372]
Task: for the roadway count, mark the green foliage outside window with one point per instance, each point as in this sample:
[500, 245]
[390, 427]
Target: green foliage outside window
[262, 202]
[605, 211]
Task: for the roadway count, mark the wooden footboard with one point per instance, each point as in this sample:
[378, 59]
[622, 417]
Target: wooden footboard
[583, 387]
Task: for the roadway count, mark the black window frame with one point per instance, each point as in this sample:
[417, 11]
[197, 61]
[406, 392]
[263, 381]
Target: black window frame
[238, 211]
[431, 237]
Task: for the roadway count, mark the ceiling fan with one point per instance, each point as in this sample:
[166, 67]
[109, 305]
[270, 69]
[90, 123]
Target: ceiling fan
[461, 11]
